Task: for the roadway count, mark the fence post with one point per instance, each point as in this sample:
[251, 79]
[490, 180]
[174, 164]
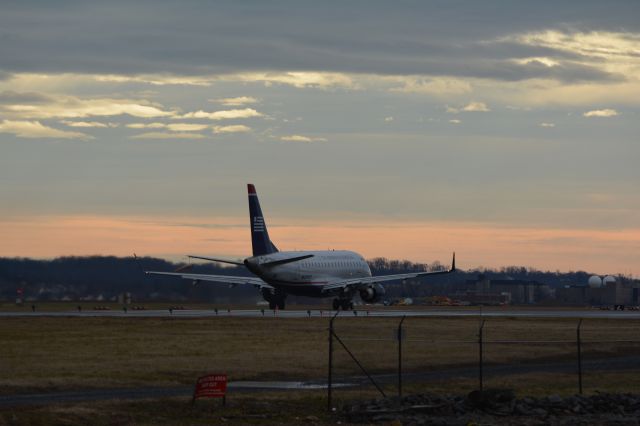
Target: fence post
[366, 373]
[480, 361]
[330, 378]
[579, 344]
[400, 357]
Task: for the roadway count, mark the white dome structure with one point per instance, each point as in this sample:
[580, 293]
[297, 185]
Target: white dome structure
[608, 279]
[595, 281]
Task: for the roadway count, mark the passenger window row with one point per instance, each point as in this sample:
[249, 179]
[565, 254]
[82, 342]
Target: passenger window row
[330, 264]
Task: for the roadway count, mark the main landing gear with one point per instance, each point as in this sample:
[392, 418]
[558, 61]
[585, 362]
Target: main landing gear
[344, 304]
[275, 299]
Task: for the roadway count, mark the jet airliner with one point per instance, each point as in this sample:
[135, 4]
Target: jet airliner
[331, 273]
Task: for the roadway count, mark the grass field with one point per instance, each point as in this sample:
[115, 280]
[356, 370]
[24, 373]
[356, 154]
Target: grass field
[70, 352]
[66, 353]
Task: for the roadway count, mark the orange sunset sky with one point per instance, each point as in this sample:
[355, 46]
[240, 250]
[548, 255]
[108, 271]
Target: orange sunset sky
[476, 245]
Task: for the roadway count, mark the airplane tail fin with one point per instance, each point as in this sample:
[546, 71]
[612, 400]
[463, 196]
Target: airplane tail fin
[259, 234]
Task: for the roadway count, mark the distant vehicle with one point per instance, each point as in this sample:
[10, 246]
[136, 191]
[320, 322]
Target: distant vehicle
[332, 273]
[405, 301]
[618, 308]
[441, 301]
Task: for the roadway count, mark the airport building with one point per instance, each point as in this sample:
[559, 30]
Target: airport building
[600, 292]
[502, 292]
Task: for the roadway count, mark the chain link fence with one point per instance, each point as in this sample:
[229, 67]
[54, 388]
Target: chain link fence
[457, 355]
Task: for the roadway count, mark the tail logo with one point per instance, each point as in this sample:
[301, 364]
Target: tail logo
[258, 224]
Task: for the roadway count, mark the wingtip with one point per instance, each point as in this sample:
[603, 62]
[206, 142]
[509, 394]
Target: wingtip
[453, 262]
[251, 188]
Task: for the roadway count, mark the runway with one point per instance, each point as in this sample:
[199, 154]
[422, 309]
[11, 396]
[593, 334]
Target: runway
[316, 313]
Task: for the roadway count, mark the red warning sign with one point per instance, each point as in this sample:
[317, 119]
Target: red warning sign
[211, 386]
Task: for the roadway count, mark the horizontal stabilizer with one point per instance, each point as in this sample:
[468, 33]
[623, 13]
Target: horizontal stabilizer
[288, 260]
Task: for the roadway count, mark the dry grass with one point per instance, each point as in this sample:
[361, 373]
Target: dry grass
[104, 352]
[434, 343]
[45, 354]
[67, 353]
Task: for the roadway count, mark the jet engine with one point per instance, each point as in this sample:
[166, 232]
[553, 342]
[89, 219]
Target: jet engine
[372, 293]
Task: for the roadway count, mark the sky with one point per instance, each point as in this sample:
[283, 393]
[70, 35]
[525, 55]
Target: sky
[506, 131]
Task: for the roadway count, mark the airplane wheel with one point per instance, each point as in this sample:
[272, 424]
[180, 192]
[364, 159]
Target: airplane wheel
[280, 304]
[346, 305]
[336, 304]
[272, 305]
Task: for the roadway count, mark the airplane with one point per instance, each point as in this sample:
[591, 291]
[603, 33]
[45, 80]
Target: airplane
[329, 273]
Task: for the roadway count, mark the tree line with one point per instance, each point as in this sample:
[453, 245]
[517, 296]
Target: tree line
[105, 277]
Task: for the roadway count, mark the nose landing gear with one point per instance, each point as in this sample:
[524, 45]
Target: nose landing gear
[279, 303]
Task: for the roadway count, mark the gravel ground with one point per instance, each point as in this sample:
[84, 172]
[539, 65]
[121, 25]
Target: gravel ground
[499, 406]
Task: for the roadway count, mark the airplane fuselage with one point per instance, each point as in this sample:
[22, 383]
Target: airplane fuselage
[307, 277]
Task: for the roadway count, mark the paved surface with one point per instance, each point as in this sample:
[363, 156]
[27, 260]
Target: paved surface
[257, 313]
[589, 366]
[47, 398]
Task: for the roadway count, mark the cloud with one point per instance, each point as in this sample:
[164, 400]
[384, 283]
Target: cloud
[547, 125]
[175, 127]
[88, 124]
[544, 93]
[476, 107]
[11, 97]
[470, 107]
[388, 119]
[237, 101]
[146, 125]
[593, 43]
[163, 135]
[455, 121]
[595, 59]
[601, 113]
[74, 107]
[299, 79]
[156, 79]
[300, 138]
[237, 128]
[34, 129]
[548, 62]
[304, 46]
[431, 85]
[186, 127]
[225, 114]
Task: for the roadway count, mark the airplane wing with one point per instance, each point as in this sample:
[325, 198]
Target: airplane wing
[226, 279]
[231, 262]
[376, 279]
[357, 282]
